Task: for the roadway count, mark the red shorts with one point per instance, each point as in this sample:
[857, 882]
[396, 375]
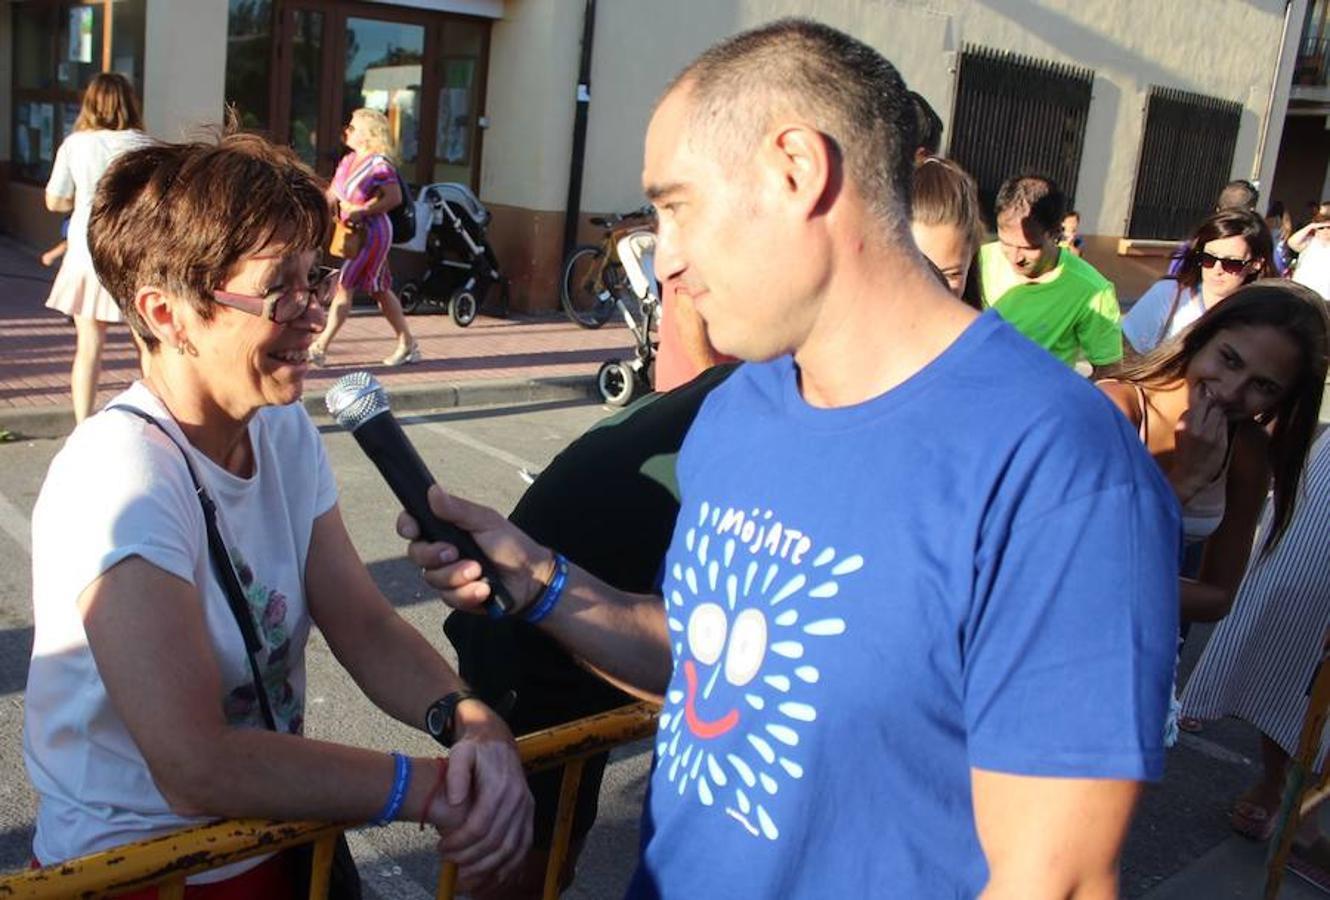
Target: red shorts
[270, 879]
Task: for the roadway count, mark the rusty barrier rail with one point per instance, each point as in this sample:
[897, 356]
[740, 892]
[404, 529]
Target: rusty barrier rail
[165, 861]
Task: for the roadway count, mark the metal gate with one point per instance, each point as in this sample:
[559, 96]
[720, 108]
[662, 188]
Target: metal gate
[1015, 114]
[1186, 159]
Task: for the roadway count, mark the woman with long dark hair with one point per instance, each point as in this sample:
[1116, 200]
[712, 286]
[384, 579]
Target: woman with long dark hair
[1225, 410]
[108, 124]
[1231, 248]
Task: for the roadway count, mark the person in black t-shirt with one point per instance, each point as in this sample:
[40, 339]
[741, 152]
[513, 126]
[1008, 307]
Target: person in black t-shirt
[607, 502]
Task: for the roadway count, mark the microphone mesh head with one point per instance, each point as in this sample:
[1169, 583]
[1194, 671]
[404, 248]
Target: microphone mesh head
[354, 399]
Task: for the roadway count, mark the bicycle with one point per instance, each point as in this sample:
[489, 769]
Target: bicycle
[594, 280]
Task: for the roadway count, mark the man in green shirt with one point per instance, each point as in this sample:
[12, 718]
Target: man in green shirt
[1056, 299]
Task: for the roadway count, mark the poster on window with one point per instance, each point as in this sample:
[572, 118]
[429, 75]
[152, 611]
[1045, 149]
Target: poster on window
[23, 146]
[80, 34]
[46, 141]
[69, 113]
[455, 110]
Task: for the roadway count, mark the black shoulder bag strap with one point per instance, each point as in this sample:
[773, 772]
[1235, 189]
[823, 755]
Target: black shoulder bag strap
[223, 568]
[343, 877]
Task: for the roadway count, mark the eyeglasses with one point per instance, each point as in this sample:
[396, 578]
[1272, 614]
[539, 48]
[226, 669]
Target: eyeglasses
[1227, 263]
[283, 305]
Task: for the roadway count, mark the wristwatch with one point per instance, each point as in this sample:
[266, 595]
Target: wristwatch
[441, 717]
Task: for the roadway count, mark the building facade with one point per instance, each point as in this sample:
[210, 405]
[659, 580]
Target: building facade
[1139, 106]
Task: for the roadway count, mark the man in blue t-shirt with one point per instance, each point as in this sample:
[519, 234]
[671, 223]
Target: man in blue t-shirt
[917, 622]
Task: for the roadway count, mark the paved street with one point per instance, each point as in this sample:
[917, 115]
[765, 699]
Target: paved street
[479, 452]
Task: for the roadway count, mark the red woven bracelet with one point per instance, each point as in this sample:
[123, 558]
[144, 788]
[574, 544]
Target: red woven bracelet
[434, 791]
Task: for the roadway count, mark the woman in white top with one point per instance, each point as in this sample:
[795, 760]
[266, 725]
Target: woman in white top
[1225, 409]
[144, 709]
[1231, 248]
[1312, 244]
[108, 124]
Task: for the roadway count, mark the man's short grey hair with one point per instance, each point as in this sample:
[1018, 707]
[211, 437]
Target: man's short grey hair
[838, 85]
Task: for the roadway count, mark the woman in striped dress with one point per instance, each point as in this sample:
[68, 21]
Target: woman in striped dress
[1260, 660]
[364, 188]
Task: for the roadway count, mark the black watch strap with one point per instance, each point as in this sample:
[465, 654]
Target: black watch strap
[441, 717]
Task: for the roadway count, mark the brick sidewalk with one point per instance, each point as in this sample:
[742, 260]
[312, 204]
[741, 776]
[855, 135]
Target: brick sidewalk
[37, 346]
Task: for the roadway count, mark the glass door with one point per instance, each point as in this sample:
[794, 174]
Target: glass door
[385, 67]
[424, 71]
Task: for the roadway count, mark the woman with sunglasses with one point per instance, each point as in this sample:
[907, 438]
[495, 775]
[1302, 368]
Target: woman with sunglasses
[146, 710]
[1226, 409]
[1231, 248]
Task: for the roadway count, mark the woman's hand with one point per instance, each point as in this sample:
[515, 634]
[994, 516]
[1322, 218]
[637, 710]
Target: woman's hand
[485, 780]
[352, 214]
[525, 566]
[1200, 444]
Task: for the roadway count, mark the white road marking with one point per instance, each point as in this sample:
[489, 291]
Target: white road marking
[466, 440]
[1211, 749]
[15, 524]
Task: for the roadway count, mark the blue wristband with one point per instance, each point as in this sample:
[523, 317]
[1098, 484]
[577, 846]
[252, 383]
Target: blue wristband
[549, 598]
[401, 778]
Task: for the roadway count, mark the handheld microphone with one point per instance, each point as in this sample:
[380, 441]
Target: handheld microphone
[358, 402]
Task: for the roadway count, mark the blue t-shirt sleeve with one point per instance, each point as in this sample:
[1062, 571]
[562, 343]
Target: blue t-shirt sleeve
[1143, 325]
[1070, 646]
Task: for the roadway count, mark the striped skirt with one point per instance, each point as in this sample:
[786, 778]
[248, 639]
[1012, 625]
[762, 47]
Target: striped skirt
[368, 270]
[1261, 659]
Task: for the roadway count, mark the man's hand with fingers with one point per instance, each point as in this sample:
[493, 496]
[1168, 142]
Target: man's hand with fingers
[524, 565]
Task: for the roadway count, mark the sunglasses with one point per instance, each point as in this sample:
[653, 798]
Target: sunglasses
[283, 306]
[1230, 265]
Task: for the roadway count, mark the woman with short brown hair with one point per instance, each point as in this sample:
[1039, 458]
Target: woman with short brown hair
[108, 124]
[167, 683]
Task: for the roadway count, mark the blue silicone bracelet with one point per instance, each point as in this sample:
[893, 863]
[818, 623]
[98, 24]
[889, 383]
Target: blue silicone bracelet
[401, 778]
[549, 598]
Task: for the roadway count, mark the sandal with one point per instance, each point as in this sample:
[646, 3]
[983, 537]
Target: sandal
[404, 355]
[1251, 820]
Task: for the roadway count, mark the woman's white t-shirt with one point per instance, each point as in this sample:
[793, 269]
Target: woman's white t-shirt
[80, 162]
[1313, 267]
[119, 488]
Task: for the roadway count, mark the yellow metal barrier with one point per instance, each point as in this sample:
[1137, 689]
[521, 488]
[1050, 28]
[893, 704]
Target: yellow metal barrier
[167, 860]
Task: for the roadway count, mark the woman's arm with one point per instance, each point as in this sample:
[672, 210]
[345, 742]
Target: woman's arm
[388, 197]
[58, 204]
[1209, 597]
[403, 674]
[1297, 241]
[146, 631]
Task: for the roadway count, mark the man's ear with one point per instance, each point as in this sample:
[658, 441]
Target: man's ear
[807, 165]
[158, 310]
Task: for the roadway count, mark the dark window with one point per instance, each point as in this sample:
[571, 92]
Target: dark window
[249, 30]
[58, 47]
[1186, 159]
[1015, 114]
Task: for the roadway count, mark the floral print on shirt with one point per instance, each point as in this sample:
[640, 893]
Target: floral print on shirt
[268, 608]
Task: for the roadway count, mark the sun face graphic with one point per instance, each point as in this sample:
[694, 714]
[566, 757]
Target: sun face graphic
[748, 610]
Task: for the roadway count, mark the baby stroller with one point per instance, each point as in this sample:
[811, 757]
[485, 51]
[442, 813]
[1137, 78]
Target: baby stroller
[619, 381]
[461, 270]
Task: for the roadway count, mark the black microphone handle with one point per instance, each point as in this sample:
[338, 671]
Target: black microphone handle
[383, 441]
